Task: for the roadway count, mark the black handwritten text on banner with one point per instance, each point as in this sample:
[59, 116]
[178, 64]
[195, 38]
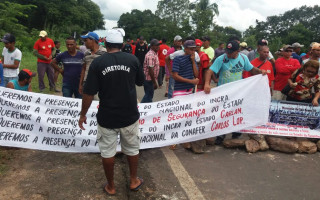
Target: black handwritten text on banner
[47, 122]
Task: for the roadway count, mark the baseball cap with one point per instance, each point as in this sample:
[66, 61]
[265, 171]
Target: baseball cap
[243, 44]
[189, 44]
[297, 45]
[177, 38]
[316, 46]
[154, 42]
[8, 38]
[115, 35]
[263, 42]
[232, 46]
[128, 40]
[312, 44]
[198, 42]
[287, 46]
[43, 34]
[92, 36]
[27, 71]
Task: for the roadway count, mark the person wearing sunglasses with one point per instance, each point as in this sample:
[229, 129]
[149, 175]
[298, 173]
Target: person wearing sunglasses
[285, 66]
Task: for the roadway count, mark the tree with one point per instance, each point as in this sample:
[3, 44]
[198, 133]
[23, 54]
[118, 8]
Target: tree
[145, 24]
[9, 20]
[202, 16]
[222, 34]
[297, 25]
[61, 17]
[175, 11]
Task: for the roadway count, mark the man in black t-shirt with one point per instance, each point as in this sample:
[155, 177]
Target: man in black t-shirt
[141, 50]
[127, 47]
[114, 75]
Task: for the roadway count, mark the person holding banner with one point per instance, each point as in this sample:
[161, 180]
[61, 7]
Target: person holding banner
[230, 67]
[114, 76]
[262, 62]
[24, 81]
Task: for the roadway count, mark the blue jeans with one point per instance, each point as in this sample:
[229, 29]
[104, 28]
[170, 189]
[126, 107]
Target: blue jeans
[148, 92]
[170, 87]
[1, 75]
[71, 89]
[6, 80]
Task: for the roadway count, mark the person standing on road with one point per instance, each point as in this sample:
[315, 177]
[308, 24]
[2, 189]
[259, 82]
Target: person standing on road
[151, 71]
[114, 75]
[219, 51]
[141, 50]
[1, 75]
[262, 62]
[91, 41]
[162, 53]
[127, 47]
[207, 48]
[177, 45]
[230, 67]
[44, 49]
[315, 53]
[72, 61]
[11, 58]
[285, 66]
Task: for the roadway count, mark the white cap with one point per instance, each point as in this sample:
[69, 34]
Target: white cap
[43, 34]
[115, 35]
[177, 38]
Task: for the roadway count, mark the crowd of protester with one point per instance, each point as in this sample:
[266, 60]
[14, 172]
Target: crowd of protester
[190, 65]
[187, 66]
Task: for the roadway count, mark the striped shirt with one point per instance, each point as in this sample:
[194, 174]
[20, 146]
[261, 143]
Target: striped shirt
[183, 65]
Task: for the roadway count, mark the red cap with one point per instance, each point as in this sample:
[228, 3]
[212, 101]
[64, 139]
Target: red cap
[31, 74]
[198, 42]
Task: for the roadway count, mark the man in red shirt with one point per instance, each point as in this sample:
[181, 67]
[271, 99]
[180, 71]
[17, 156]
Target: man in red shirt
[262, 62]
[133, 46]
[44, 49]
[285, 66]
[162, 53]
[204, 64]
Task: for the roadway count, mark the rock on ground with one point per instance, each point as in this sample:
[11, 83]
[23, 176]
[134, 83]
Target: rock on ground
[252, 146]
[233, 143]
[306, 146]
[282, 144]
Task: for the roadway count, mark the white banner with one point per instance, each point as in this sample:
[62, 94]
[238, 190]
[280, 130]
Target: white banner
[47, 122]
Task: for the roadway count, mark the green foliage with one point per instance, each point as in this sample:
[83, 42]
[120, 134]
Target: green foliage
[175, 11]
[222, 34]
[172, 17]
[10, 15]
[62, 17]
[202, 16]
[148, 25]
[297, 25]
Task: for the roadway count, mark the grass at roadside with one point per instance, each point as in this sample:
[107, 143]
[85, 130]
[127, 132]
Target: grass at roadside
[29, 61]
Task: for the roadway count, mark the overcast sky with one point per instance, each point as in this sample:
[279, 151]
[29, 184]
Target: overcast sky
[239, 14]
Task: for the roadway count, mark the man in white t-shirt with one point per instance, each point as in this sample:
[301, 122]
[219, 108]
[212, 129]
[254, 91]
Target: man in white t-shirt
[11, 58]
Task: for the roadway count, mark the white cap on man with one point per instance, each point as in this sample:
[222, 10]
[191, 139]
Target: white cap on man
[115, 35]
